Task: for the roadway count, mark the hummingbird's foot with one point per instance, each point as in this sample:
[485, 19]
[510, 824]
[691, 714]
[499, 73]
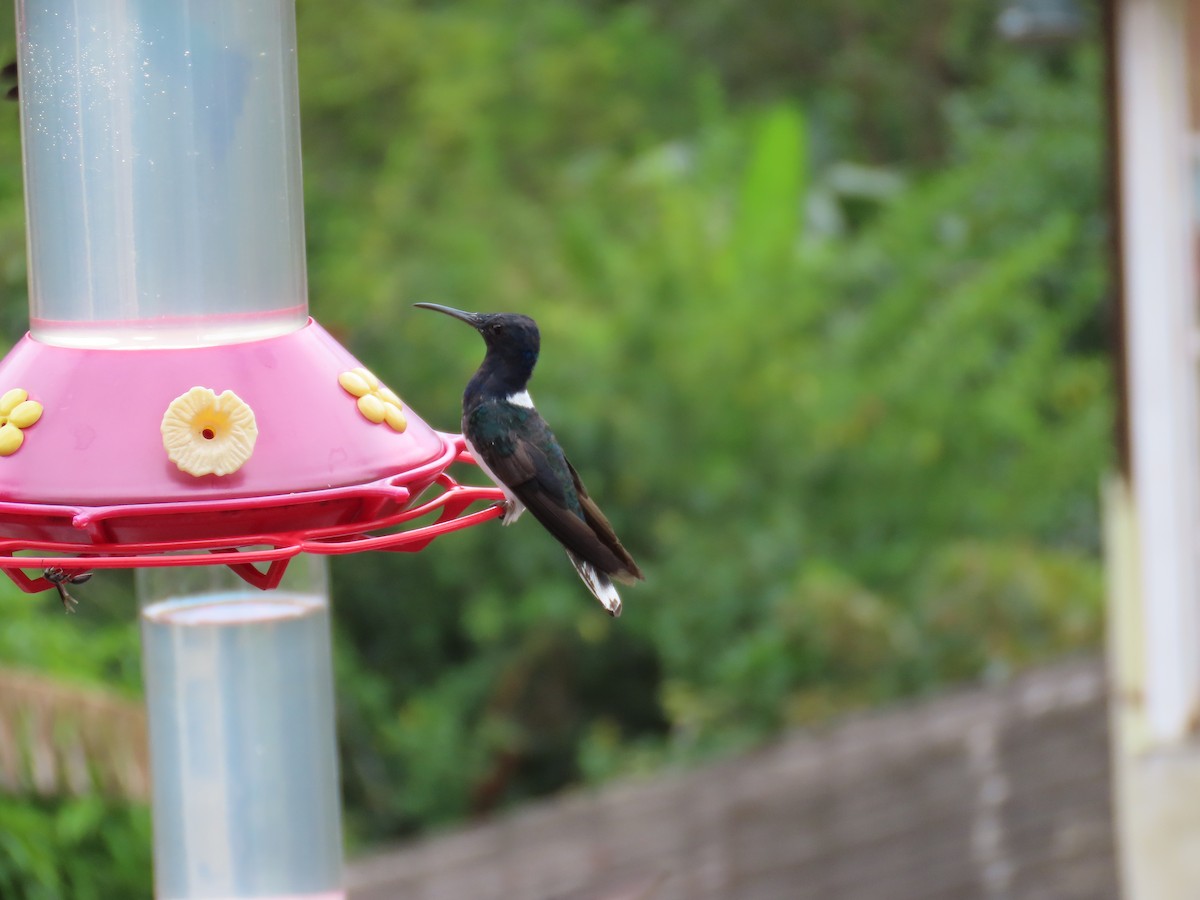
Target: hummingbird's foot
[505, 505]
[512, 510]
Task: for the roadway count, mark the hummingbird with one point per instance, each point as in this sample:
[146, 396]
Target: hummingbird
[516, 448]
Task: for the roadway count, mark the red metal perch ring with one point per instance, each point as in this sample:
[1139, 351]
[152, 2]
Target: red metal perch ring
[336, 521]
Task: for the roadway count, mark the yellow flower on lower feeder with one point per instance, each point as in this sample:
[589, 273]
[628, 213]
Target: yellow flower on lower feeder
[376, 401]
[206, 434]
[17, 412]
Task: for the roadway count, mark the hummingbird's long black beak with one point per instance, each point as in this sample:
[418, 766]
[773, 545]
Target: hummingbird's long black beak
[472, 319]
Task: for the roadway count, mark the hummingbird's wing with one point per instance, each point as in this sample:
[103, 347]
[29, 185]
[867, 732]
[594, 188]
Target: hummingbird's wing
[572, 522]
[629, 572]
[520, 449]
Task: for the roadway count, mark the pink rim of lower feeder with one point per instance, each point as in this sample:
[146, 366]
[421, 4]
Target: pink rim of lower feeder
[93, 475]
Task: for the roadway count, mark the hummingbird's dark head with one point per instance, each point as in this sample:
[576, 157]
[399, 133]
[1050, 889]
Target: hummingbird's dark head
[512, 339]
[510, 334]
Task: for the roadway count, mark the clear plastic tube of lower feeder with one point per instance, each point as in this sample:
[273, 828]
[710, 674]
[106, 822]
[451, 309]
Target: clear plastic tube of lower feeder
[163, 183]
[239, 695]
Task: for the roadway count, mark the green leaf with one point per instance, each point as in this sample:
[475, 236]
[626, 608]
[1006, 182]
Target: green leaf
[767, 226]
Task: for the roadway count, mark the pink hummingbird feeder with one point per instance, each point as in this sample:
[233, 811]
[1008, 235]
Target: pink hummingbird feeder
[173, 394]
[174, 409]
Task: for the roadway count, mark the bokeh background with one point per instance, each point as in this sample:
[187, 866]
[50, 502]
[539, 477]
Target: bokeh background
[823, 293]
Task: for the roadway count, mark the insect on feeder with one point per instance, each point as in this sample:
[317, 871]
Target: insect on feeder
[174, 409]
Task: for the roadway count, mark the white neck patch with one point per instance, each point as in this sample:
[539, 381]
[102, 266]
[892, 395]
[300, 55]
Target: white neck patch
[520, 399]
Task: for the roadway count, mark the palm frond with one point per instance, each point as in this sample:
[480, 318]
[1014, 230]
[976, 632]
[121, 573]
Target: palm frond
[61, 738]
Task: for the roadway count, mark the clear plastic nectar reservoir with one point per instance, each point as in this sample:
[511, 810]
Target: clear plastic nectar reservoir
[239, 695]
[163, 181]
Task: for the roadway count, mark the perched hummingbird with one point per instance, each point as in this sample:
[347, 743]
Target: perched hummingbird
[516, 448]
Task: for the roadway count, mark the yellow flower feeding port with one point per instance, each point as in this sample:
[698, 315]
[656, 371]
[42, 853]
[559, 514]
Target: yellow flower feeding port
[207, 434]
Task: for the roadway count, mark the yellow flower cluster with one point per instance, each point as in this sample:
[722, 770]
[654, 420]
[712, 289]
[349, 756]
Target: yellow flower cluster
[17, 412]
[376, 401]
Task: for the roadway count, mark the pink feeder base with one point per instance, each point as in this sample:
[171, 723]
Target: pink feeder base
[92, 476]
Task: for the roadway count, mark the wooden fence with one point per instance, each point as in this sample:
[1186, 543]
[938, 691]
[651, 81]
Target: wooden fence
[997, 793]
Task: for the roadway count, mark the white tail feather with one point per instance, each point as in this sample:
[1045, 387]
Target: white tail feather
[599, 584]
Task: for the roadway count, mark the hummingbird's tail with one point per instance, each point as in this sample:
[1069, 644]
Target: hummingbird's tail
[599, 584]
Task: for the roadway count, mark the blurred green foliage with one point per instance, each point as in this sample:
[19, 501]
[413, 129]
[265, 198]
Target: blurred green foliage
[82, 849]
[820, 294]
[71, 848]
[819, 402]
